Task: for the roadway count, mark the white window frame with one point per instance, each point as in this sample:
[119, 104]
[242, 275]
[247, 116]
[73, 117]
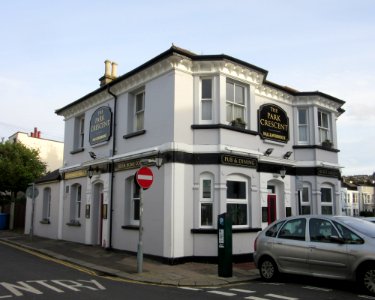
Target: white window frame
[303, 126]
[240, 201]
[139, 111]
[79, 132]
[46, 213]
[324, 204]
[204, 200]
[75, 202]
[206, 101]
[234, 104]
[133, 199]
[324, 129]
[305, 202]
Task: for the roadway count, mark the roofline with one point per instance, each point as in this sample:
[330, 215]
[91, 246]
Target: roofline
[195, 57]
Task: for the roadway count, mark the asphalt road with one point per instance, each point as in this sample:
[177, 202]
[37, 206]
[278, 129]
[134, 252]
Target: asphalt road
[29, 275]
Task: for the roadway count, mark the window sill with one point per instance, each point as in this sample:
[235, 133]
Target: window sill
[223, 126]
[79, 150]
[130, 227]
[134, 134]
[214, 231]
[74, 223]
[315, 147]
[45, 221]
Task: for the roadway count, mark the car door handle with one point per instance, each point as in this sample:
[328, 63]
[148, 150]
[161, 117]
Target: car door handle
[312, 247]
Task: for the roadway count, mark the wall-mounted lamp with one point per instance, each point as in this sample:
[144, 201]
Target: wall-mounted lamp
[282, 172]
[288, 154]
[92, 171]
[157, 161]
[92, 155]
[268, 151]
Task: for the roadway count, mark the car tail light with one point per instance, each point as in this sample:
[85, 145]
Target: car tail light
[255, 244]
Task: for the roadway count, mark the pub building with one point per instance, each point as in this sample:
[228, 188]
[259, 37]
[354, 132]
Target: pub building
[218, 137]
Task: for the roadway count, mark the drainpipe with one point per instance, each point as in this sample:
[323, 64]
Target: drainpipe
[112, 168]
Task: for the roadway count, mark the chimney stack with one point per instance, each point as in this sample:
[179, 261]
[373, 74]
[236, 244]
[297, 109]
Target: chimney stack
[36, 133]
[110, 72]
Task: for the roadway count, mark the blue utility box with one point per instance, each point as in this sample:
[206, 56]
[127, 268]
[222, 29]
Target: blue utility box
[4, 221]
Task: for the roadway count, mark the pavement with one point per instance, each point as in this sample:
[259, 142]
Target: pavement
[121, 264]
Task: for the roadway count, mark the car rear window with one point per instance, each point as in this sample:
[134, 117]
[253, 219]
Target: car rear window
[362, 226]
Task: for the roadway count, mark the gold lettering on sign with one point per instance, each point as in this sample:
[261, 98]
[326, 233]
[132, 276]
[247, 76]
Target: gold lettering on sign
[127, 165]
[75, 174]
[273, 123]
[239, 161]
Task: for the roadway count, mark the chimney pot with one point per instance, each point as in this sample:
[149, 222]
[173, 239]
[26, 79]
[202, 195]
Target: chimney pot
[114, 70]
[107, 68]
[110, 72]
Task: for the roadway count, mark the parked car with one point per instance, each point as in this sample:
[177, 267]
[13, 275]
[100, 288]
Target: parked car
[337, 247]
[371, 219]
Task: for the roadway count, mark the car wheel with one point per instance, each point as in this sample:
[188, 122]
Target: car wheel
[268, 269]
[367, 278]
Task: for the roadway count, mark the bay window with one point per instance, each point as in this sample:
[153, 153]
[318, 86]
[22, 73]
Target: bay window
[303, 137]
[235, 101]
[206, 99]
[324, 126]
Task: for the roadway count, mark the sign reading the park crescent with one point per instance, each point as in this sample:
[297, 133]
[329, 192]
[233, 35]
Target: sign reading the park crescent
[273, 123]
[100, 125]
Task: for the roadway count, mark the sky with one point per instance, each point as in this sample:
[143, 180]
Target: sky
[52, 53]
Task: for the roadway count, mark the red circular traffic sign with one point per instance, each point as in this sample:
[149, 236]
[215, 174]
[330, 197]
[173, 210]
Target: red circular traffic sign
[144, 177]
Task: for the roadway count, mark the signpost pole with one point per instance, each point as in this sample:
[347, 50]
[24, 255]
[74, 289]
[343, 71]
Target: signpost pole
[144, 178]
[32, 212]
[140, 242]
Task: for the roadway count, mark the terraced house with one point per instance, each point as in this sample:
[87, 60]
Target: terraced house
[229, 141]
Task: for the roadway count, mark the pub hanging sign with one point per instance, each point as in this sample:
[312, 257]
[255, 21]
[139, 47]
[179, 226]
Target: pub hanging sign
[273, 123]
[100, 125]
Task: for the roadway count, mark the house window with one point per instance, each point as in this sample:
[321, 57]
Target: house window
[323, 125]
[235, 101]
[79, 132]
[46, 212]
[326, 201]
[139, 110]
[75, 202]
[302, 126]
[136, 111]
[206, 99]
[305, 202]
[135, 204]
[132, 202]
[237, 201]
[206, 201]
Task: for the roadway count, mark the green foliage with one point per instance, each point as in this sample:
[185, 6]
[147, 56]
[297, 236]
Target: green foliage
[19, 166]
[366, 214]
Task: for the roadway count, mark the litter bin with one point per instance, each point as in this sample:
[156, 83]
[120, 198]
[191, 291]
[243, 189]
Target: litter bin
[4, 221]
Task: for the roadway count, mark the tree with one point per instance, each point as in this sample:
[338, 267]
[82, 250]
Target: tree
[19, 166]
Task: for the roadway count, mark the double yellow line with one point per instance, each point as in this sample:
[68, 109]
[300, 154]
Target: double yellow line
[68, 264]
[46, 257]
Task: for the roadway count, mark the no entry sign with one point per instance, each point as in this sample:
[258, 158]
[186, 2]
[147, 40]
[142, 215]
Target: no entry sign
[144, 177]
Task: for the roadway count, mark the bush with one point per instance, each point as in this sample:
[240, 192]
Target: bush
[366, 214]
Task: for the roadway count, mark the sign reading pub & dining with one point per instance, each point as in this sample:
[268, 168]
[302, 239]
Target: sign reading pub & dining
[273, 123]
[100, 125]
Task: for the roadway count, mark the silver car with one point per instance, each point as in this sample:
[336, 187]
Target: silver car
[370, 219]
[337, 247]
